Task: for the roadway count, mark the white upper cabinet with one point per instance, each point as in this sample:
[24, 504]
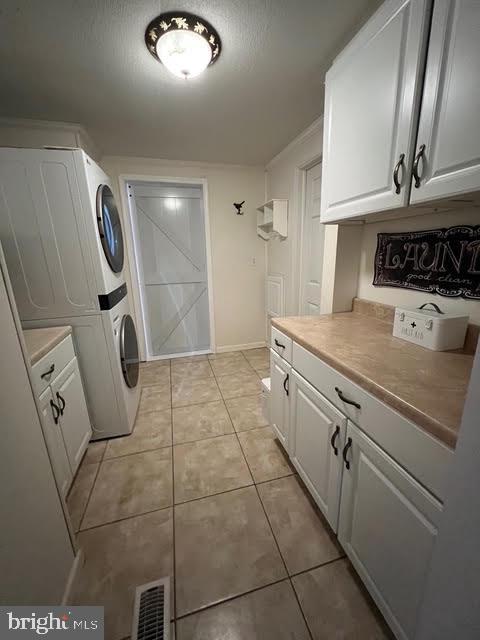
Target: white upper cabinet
[40, 204]
[372, 93]
[448, 143]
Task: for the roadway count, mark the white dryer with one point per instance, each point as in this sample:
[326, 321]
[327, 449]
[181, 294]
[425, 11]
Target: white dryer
[104, 224]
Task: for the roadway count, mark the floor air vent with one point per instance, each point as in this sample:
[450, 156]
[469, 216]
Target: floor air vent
[151, 615]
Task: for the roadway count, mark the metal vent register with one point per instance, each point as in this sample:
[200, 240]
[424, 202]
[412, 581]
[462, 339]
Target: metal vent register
[151, 614]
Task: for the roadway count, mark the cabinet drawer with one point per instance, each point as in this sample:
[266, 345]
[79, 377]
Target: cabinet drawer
[282, 344]
[426, 458]
[54, 361]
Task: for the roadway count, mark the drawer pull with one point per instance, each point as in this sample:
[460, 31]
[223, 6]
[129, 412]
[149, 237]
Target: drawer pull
[334, 439]
[48, 372]
[345, 451]
[279, 344]
[286, 384]
[62, 403]
[55, 411]
[346, 400]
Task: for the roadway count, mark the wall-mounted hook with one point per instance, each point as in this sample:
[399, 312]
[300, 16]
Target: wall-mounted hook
[238, 206]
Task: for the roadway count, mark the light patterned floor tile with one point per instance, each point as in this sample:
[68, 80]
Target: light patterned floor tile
[196, 422]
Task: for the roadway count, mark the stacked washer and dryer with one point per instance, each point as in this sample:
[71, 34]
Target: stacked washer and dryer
[62, 237]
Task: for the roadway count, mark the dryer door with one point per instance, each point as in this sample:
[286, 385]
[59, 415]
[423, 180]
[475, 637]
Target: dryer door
[110, 228]
[129, 357]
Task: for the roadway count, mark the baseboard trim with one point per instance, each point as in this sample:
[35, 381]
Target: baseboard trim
[77, 563]
[241, 347]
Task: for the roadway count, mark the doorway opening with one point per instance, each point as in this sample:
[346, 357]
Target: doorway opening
[311, 243]
[172, 256]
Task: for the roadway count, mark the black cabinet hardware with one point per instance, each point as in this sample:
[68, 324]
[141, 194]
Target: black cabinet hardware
[334, 439]
[416, 162]
[279, 344]
[48, 372]
[345, 451]
[346, 400]
[286, 384]
[55, 411]
[62, 403]
[396, 181]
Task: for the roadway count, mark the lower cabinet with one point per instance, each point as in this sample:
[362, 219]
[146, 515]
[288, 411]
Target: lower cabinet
[388, 524]
[316, 440]
[54, 440]
[74, 420]
[279, 395]
[65, 418]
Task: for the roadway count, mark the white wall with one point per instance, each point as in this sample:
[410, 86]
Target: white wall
[238, 284]
[404, 297]
[284, 179]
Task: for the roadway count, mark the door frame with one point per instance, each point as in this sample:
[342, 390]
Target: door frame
[301, 198]
[134, 264]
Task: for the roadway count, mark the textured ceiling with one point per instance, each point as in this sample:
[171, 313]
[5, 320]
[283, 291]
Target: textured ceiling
[85, 61]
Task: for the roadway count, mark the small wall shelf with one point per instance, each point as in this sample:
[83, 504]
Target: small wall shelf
[272, 219]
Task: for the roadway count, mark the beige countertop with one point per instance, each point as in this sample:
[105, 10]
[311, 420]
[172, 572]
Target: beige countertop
[40, 341]
[427, 387]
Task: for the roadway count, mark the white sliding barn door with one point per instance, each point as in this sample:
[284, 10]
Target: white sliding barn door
[312, 244]
[172, 261]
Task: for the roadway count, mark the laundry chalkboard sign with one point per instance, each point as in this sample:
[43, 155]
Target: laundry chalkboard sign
[443, 261]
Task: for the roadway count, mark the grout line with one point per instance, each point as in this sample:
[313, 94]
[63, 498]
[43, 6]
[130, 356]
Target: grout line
[134, 515]
[229, 599]
[219, 493]
[89, 494]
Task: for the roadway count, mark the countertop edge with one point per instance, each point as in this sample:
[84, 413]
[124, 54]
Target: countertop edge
[433, 427]
[55, 336]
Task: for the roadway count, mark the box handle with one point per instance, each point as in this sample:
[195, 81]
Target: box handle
[436, 307]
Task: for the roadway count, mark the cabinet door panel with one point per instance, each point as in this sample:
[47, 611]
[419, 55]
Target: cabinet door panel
[55, 445]
[388, 525]
[313, 423]
[68, 393]
[372, 94]
[279, 405]
[42, 227]
[450, 115]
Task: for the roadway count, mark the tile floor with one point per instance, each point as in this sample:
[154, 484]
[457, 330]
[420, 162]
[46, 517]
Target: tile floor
[203, 492]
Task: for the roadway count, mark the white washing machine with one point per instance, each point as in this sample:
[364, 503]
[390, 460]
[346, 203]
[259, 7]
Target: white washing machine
[107, 350]
[123, 346]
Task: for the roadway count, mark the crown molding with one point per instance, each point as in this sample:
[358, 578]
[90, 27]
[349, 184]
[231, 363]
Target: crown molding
[311, 130]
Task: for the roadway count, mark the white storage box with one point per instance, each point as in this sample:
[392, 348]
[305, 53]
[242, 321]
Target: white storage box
[430, 327]
[266, 398]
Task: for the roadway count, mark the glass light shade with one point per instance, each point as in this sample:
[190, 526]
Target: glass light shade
[184, 53]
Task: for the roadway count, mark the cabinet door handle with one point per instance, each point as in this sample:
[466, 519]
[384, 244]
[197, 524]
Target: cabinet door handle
[416, 162]
[279, 344]
[286, 384]
[62, 403]
[346, 400]
[345, 451]
[333, 439]
[55, 411]
[48, 372]
[396, 181]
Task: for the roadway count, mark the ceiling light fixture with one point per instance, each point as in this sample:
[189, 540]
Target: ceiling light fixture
[183, 42]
